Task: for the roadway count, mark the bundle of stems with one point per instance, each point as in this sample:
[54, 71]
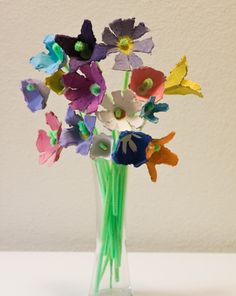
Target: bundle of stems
[112, 179]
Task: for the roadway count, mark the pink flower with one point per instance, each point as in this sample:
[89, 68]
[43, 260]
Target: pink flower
[48, 142]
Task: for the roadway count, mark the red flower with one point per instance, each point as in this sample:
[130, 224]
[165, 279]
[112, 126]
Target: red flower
[146, 82]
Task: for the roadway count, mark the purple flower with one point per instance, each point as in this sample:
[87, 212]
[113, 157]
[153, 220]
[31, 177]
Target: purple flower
[122, 37]
[86, 91]
[80, 133]
[36, 94]
[82, 49]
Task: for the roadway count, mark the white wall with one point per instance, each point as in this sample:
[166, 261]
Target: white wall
[193, 206]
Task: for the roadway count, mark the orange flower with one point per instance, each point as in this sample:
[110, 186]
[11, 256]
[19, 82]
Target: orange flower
[157, 153]
[146, 82]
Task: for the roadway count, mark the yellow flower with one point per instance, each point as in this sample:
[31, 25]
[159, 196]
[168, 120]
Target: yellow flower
[54, 82]
[176, 84]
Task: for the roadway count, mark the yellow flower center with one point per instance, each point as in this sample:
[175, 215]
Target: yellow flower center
[125, 44]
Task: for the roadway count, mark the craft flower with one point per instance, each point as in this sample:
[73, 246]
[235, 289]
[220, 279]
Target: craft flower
[82, 49]
[35, 94]
[131, 148]
[80, 133]
[86, 91]
[48, 143]
[122, 113]
[55, 83]
[122, 37]
[146, 82]
[149, 108]
[157, 153]
[176, 84]
[101, 146]
[53, 60]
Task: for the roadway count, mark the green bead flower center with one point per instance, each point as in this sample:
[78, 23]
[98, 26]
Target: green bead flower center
[146, 85]
[125, 44]
[95, 89]
[157, 148]
[83, 49]
[30, 87]
[58, 51]
[103, 146]
[53, 137]
[83, 130]
[119, 113]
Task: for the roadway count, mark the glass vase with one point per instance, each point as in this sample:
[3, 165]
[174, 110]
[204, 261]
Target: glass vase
[111, 274]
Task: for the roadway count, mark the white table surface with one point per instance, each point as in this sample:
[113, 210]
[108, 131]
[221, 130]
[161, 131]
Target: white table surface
[152, 274]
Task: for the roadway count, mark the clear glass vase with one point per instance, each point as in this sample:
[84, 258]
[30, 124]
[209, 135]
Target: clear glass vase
[111, 274]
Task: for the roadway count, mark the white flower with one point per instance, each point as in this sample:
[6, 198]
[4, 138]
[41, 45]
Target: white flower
[101, 146]
[122, 114]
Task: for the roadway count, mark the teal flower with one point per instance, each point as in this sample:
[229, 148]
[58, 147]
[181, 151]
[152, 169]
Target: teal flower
[53, 60]
[151, 107]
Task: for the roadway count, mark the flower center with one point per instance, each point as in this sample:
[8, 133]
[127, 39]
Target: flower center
[149, 107]
[83, 49]
[125, 44]
[119, 113]
[58, 51]
[30, 87]
[53, 137]
[95, 89]
[157, 147]
[146, 85]
[103, 146]
[83, 130]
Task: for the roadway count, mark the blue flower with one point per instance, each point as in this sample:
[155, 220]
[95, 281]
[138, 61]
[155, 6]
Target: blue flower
[151, 107]
[131, 148]
[35, 93]
[80, 133]
[53, 60]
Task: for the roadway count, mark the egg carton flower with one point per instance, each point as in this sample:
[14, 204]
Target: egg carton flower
[80, 133]
[53, 60]
[86, 90]
[121, 38]
[157, 154]
[150, 108]
[101, 146]
[120, 111]
[146, 82]
[35, 93]
[82, 49]
[131, 148]
[55, 83]
[48, 142]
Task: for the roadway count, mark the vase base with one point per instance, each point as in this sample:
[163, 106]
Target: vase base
[114, 292]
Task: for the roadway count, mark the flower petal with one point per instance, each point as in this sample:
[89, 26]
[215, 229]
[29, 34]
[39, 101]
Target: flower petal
[87, 33]
[107, 103]
[75, 80]
[121, 62]
[72, 118]
[83, 147]
[145, 45]
[135, 61]
[139, 31]
[105, 116]
[43, 141]
[54, 82]
[90, 122]
[69, 137]
[52, 121]
[122, 27]
[108, 37]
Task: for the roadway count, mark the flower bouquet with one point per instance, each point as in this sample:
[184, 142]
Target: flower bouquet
[73, 70]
